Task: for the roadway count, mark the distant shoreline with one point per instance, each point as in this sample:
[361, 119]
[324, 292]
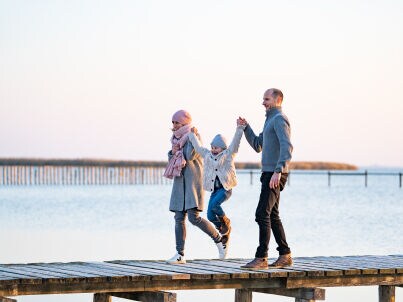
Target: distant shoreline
[295, 165]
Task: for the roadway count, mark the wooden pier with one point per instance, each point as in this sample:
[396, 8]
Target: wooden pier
[141, 280]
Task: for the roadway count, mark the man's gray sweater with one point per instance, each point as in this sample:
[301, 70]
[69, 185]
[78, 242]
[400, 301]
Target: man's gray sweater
[274, 141]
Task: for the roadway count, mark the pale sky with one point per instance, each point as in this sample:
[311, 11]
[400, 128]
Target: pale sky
[101, 79]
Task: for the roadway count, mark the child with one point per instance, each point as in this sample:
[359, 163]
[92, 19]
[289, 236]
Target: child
[219, 176]
[187, 198]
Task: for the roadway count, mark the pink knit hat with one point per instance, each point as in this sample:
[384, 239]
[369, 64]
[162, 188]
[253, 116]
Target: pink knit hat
[182, 116]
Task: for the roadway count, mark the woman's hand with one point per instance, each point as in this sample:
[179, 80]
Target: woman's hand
[175, 149]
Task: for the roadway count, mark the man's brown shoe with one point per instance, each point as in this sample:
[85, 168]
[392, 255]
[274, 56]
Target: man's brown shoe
[257, 263]
[282, 261]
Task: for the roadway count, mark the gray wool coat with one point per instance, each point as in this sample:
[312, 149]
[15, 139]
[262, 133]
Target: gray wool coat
[187, 190]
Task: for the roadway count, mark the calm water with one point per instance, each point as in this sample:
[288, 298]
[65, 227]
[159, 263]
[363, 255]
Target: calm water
[133, 222]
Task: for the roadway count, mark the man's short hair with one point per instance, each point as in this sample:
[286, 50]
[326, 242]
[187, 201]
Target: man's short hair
[276, 93]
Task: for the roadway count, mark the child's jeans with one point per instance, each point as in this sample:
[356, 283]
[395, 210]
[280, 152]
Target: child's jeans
[214, 209]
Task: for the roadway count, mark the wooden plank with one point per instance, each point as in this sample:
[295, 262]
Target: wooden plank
[333, 264]
[182, 268]
[386, 293]
[19, 274]
[10, 276]
[60, 269]
[43, 273]
[18, 278]
[243, 295]
[77, 274]
[309, 270]
[131, 274]
[235, 266]
[218, 272]
[88, 267]
[157, 296]
[383, 265]
[159, 274]
[272, 272]
[317, 269]
[375, 262]
[129, 286]
[301, 293]
[128, 276]
[329, 269]
[360, 280]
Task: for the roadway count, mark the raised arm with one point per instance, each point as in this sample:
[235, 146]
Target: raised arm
[256, 142]
[197, 144]
[234, 146]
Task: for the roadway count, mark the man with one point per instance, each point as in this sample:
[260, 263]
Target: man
[274, 142]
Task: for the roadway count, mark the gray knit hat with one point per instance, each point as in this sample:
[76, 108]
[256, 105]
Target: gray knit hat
[219, 141]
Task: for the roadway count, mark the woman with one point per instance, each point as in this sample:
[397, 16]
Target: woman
[187, 198]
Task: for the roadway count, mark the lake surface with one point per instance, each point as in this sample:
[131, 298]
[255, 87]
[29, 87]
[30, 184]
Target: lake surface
[71, 223]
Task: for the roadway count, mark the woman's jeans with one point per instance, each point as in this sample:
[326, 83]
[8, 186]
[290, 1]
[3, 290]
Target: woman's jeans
[214, 209]
[268, 218]
[195, 219]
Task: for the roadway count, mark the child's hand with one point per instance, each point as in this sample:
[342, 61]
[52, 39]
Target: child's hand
[194, 130]
[241, 122]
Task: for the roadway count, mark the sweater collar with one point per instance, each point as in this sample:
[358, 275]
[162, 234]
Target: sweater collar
[273, 111]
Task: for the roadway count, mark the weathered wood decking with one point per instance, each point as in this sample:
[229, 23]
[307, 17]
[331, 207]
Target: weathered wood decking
[119, 278]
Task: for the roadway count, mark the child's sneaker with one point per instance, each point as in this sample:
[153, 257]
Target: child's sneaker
[225, 239]
[222, 250]
[225, 225]
[177, 259]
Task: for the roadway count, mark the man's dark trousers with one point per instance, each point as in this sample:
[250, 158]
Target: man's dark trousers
[267, 216]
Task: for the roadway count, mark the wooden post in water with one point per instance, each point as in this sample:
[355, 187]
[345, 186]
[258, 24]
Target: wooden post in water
[400, 179]
[328, 178]
[148, 296]
[300, 294]
[243, 295]
[386, 293]
[251, 177]
[102, 298]
[366, 178]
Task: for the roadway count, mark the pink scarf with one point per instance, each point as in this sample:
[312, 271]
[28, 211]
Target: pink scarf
[177, 161]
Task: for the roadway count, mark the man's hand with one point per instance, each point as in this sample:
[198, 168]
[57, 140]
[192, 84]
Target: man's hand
[275, 180]
[241, 122]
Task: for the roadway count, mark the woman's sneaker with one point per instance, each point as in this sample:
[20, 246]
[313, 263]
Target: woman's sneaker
[222, 250]
[177, 259]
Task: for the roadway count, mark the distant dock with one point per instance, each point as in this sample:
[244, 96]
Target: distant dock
[142, 280]
[38, 172]
[19, 172]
